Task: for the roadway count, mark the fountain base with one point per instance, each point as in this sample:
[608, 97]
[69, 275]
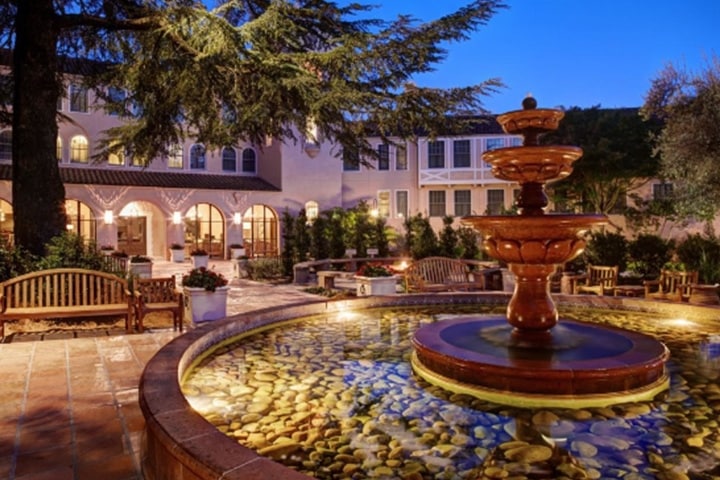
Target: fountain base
[575, 365]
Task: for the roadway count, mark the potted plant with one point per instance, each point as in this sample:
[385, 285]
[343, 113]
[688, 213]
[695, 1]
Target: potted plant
[240, 266]
[177, 253]
[236, 250]
[205, 294]
[375, 279]
[107, 249]
[140, 266]
[199, 257]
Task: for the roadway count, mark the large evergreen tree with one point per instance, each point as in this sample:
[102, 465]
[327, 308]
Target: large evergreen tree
[689, 144]
[244, 70]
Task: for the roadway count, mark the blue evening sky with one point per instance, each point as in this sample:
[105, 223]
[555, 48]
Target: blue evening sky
[572, 52]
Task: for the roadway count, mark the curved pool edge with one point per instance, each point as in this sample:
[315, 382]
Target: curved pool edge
[180, 443]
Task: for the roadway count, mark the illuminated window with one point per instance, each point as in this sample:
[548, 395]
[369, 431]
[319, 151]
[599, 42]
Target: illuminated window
[311, 210]
[401, 203]
[401, 158]
[175, 156]
[79, 149]
[116, 156]
[383, 205]
[59, 149]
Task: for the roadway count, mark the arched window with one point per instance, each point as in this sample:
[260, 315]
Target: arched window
[6, 145]
[79, 149]
[59, 149]
[248, 161]
[116, 157]
[260, 231]
[205, 229]
[229, 159]
[175, 156]
[197, 156]
[80, 219]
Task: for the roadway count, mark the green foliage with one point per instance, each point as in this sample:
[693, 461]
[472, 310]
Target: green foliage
[14, 261]
[335, 232]
[607, 248]
[421, 239]
[380, 237]
[689, 144]
[301, 233]
[70, 251]
[374, 270]
[648, 254]
[320, 238]
[202, 277]
[617, 156]
[469, 241]
[288, 251]
[702, 254]
[265, 268]
[448, 244]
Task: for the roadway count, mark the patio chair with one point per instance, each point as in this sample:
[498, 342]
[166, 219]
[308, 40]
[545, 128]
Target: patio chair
[156, 295]
[599, 280]
[671, 285]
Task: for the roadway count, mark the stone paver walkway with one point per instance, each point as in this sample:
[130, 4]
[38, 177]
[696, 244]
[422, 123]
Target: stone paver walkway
[68, 401]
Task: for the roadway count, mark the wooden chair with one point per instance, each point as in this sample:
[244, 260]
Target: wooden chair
[672, 285]
[599, 280]
[155, 295]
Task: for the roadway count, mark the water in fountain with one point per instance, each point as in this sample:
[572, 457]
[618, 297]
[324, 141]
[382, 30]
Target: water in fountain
[525, 358]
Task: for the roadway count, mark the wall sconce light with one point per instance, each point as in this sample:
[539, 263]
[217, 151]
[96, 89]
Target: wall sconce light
[237, 218]
[108, 217]
[176, 218]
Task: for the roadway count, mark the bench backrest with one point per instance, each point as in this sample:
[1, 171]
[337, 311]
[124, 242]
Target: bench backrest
[671, 281]
[436, 270]
[63, 287]
[603, 275]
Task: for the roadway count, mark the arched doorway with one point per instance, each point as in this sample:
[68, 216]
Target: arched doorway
[260, 231]
[205, 229]
[141, 229]
[81, 220]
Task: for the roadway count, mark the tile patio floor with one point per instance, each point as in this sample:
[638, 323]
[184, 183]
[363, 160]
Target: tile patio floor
[68, 401]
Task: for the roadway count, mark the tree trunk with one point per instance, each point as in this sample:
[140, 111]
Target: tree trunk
[38, 191]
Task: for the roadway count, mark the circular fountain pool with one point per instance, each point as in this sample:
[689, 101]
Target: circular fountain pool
[333, 396]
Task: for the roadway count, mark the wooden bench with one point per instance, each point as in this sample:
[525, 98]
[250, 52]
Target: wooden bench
[441, 274]
[599, 279]
[157, 295]
[64, 293]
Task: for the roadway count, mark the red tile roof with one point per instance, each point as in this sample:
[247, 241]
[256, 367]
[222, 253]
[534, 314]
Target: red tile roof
[150, 178]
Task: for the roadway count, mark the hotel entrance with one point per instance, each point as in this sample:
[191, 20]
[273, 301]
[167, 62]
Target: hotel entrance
[132, 235]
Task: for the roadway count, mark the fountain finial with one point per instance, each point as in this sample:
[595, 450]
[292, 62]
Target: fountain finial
[529, 102]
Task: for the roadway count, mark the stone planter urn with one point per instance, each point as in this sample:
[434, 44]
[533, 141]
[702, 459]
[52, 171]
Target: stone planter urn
[200, 260]
[367, 286]
[177, 255]
[236, 252]
[203, 306]
[140, 269]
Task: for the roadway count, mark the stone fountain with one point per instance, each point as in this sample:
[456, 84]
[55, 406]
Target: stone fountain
[528, 358]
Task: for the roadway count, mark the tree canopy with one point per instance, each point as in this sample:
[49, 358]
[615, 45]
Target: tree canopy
[689, 143]
[617, 156]
[241, 71]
